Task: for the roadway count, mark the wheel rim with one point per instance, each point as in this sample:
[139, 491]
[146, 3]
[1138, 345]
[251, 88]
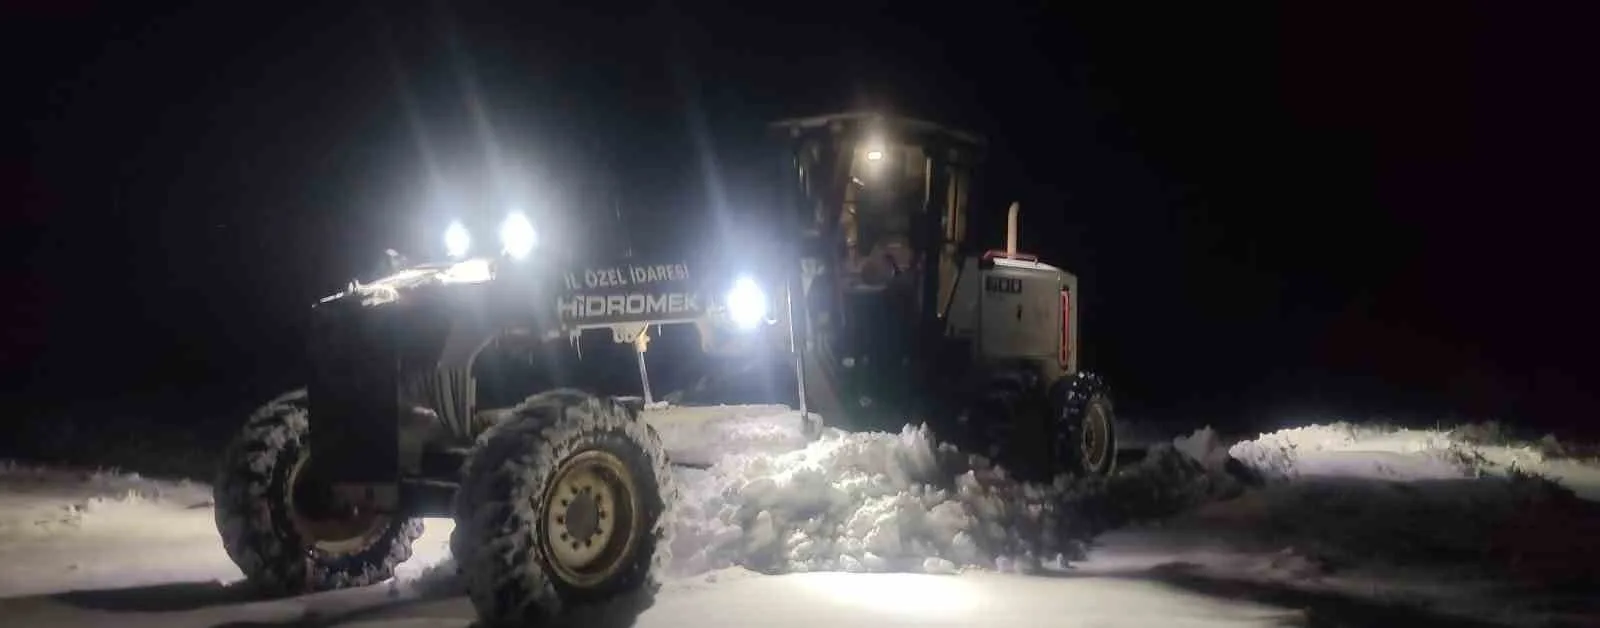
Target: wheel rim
[589, 516]
[331, 536]
[1096, 436]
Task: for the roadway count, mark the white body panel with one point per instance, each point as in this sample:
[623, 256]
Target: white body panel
[1020, 314]
[1011, 309]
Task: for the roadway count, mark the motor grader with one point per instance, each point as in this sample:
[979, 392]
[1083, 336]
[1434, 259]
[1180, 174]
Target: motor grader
[442, 389]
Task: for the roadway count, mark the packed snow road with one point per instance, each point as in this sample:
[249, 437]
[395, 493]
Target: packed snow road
[1345, 525]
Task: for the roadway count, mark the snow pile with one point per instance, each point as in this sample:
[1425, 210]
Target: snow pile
[1495, 433]
[700, 436]
[85, 529]
[1383, 494]
[902, 502]
[1379, 452]
[1187, 472]
[1349, 450]
[39, 500]
[1440, 518]
[886, 502]
[1205, 447]
[849, 502]
[114, 483]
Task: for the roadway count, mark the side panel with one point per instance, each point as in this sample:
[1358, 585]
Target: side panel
[1020, 314]
[1003, 336]
[602, 295]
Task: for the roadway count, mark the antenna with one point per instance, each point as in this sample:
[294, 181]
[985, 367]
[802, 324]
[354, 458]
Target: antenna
[614, 192]
[616, 210]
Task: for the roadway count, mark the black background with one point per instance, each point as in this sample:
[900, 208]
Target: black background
[1277, 211]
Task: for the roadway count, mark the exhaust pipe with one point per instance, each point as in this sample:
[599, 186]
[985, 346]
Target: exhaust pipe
[1011, 228]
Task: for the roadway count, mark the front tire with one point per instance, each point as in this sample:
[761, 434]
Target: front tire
[563, 506]
[255, 514]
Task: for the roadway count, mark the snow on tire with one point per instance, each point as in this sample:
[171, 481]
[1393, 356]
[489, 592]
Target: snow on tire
[255, 514]
[563, 506]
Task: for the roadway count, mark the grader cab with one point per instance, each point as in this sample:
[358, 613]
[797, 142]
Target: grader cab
[901, 318]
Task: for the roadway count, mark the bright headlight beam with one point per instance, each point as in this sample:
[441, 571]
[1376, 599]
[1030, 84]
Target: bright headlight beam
[517, 236]
[874, 155]
[457, 240]
[747, 303]
[469, 271]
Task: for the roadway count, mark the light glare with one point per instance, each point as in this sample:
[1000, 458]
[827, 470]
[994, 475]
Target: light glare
[457, 240]
[747, 303]
[874, 155]
[517, 235]
[469, 271]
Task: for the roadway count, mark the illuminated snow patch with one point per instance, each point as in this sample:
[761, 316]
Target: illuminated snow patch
[862, 502]
[912, 595]
[703, 435]
[431, 568]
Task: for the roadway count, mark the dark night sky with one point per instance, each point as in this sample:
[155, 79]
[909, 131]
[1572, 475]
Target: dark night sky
[1371, 209]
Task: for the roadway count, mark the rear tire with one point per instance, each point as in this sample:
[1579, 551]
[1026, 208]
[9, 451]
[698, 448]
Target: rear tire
[563, 506]
[255, 514]
[1086, 432]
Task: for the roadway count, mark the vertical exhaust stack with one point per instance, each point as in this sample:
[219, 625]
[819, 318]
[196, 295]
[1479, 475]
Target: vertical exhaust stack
[1011, 228]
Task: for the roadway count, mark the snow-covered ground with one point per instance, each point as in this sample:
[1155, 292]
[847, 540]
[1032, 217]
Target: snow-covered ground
[1399, 518]
[1339, 525]
[63, 530]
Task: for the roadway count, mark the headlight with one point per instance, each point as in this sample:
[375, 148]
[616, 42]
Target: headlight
[517, 235]
[747, 303]
[457, 240]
